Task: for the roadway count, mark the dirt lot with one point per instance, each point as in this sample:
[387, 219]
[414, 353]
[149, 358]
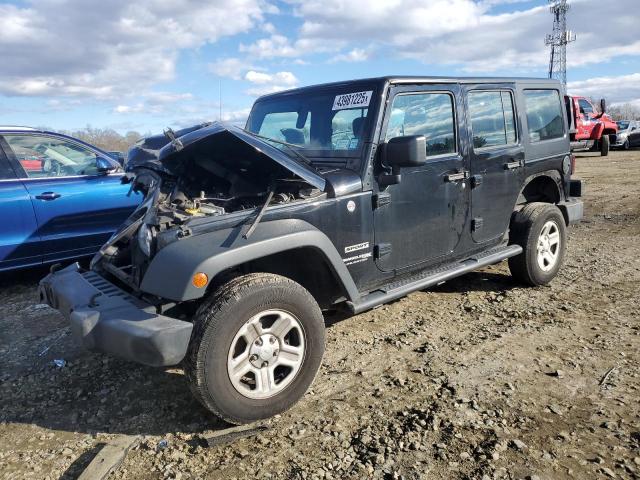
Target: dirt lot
[477, 378]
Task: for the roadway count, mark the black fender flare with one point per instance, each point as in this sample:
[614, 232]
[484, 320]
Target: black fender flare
[552, 174]
[170, 272]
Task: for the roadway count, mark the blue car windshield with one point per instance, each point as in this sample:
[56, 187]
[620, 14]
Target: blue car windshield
[322, 124]
[622, 125]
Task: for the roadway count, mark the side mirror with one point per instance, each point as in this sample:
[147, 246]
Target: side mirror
[402, 152]
[104, 166]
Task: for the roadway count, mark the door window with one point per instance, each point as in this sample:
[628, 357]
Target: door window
[492, 118]
[45, 157]
[544, 115]
[6, 172]
[428, 114]
[585, 107]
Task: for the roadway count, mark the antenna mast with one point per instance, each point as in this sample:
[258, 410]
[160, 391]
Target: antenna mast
[558, 40]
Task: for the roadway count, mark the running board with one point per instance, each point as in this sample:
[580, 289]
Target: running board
[429, 278]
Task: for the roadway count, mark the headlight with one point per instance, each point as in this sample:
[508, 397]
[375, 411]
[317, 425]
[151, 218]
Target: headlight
[145, 237]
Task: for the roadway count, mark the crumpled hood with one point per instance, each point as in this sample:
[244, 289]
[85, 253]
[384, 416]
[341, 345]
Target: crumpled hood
[224, 144]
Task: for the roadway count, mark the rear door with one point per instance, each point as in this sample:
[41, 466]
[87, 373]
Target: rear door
[77, 208]
[497, 159]
[19, 238]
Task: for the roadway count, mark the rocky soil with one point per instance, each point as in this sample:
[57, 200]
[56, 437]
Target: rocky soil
[478, 378]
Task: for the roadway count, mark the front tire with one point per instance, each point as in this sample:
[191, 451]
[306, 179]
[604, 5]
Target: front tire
[539, 228]
[256, 347]
[605, 144]
[626, 145]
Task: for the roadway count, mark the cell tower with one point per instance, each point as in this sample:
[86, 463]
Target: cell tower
[558, 40]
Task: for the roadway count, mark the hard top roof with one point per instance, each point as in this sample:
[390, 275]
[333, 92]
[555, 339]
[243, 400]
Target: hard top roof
[407, 79]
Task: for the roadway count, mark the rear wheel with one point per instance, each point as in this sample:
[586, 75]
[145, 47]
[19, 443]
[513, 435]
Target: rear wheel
[604, 145]
[256, 347]
[540, 230]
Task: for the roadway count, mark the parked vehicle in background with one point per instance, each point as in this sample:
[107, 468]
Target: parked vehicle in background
[628, 134]
[588, 128]
[60, 197]
[346, 195]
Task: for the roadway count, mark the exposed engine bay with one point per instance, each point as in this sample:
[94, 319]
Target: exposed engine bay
[186, 178]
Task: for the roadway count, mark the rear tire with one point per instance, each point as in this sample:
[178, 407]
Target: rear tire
[256, 347]
[605, 144]
[539, 228]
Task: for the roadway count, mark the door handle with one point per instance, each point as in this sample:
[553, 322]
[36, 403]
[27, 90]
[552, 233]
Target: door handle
[48, 196]
[456, 177]
[513, 165]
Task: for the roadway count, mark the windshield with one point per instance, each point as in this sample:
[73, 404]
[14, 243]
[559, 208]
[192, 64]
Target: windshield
[623, 125]
[321, 125]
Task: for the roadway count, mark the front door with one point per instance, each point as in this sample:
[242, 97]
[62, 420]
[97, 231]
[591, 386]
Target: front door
[497, 160]
[19, 240]
[421, 219]
[77, 208]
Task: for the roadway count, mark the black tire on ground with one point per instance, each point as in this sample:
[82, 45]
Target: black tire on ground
[525, 230]
[604, 145]
[626, 145]
[216, 324]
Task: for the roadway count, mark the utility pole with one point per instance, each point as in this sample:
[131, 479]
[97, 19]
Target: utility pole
[558, 40]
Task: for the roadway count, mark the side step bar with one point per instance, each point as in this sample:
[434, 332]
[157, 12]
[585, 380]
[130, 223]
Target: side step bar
[429, 278]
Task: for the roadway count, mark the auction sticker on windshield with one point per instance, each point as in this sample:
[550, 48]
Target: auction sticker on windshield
[352, 100]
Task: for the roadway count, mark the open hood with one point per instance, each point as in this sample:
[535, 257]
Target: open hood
[223, 146]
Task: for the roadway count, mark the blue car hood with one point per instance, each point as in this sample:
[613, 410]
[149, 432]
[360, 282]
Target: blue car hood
[227, 145]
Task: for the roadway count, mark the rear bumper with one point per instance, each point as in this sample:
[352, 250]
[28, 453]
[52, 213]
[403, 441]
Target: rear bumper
[572, 210]
[105, 318]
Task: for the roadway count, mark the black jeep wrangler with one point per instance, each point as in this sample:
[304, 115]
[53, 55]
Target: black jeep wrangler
[346, 195]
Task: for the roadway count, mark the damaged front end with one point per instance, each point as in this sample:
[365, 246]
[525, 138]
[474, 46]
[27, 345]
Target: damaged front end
[196, 175]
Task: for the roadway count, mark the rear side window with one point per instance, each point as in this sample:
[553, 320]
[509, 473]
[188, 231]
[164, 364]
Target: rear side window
[544, 115]
[492, 118]
[428, 114]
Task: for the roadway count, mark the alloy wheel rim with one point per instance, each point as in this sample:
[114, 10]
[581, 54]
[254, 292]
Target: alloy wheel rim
[266, 354]
[548, 246]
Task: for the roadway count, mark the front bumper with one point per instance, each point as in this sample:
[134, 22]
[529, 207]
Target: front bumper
[105, 318]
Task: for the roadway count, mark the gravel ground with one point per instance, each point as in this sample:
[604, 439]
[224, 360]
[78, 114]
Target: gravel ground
[477, 378]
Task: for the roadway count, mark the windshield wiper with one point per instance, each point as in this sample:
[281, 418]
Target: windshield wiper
[256, 221]
[290, 146]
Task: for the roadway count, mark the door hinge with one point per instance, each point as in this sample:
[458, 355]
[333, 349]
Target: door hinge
[382, 249]
[381, 199]
[476, 224]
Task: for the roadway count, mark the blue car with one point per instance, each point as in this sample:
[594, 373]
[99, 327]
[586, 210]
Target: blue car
[60, 198]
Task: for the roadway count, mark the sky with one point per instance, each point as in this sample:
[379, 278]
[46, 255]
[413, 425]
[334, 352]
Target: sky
[149, 64]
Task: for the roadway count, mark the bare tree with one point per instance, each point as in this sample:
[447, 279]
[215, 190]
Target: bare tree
[105, 138]
[624, 111]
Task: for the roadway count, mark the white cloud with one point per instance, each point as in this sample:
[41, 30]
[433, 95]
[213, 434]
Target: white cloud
[619, 89]
[233, 68]
[463, 33]
[355, 55]
[107, 49]
[265, 83]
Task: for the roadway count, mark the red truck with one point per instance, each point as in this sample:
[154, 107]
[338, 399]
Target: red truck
[588, 128]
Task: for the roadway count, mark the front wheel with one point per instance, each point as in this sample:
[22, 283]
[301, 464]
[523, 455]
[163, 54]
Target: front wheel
[604, 145]
[626, 144]
[540, 230]
[256, 348]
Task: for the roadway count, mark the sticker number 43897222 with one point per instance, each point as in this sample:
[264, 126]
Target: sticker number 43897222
[352, 100]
